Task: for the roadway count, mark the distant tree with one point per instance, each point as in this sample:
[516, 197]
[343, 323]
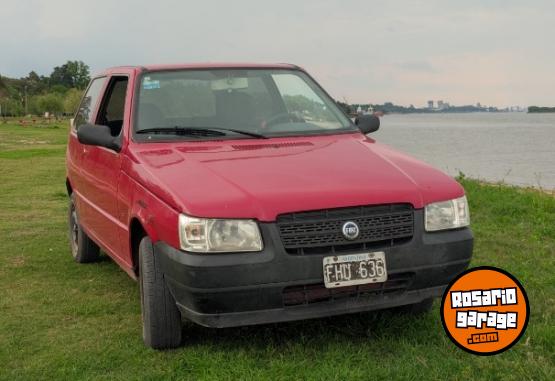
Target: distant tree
[38, 94]
[61, 76]
[301, 104]
[33, 77]
[345, 107]
[58, 89]
[72, 100]
[33, 106]
[71, 74]
[35, 84]
[11, 107]
[533, 109]
[51, 103]
[298, 103]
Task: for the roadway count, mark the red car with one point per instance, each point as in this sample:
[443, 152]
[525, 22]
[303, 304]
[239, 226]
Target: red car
[241, 194]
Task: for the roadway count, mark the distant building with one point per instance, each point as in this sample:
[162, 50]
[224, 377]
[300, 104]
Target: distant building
[430, 104]
[440, 104]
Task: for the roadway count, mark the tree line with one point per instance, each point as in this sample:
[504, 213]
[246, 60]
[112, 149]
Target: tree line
[56, 94]
[533, 109]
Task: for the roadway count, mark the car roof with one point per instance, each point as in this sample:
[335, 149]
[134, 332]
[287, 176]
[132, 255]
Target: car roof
[203, 65]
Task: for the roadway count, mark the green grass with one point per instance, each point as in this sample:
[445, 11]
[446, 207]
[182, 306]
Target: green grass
[61, 320]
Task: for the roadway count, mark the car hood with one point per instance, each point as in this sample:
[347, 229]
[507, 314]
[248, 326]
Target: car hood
[251, 178]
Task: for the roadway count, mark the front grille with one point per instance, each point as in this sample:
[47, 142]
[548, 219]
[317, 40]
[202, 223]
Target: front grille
[314, 293]
[320, 232]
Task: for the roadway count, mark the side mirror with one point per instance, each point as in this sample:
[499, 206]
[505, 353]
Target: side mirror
[98, 135]
[367, 123]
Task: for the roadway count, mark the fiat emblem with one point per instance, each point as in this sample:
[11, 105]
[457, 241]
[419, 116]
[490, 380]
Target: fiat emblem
[350, 230]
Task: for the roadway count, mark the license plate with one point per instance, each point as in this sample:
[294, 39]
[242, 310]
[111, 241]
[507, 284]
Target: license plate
[353, 269]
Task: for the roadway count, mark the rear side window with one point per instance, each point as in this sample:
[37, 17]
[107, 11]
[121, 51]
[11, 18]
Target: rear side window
[85, 114]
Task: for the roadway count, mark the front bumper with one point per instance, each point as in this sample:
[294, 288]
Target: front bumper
[225, 290]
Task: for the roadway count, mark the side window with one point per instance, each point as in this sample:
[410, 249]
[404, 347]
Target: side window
[89, 102]
[113, 105]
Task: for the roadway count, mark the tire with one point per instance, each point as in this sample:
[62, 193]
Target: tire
[419, 308]
[83, 249]
[161, 318]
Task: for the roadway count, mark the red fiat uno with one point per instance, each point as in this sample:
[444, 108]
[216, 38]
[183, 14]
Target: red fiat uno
[241, 194]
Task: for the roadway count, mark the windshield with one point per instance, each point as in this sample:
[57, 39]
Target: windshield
[272, 102]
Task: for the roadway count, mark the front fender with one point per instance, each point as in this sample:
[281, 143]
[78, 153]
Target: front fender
[159, 220]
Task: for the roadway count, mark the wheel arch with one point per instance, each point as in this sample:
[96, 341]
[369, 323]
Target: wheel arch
[69, 188]
[136, 233]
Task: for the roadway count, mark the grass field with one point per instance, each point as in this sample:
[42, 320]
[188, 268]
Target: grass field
[60, 320]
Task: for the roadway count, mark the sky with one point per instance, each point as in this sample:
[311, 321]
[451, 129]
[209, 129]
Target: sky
[407, 52]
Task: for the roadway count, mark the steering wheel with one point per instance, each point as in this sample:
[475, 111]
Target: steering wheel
[283, 118]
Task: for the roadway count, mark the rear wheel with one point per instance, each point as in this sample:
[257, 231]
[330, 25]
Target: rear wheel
[161, 318]
[83, 249]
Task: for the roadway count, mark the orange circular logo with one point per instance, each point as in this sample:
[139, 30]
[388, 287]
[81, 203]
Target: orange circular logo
[485, 310]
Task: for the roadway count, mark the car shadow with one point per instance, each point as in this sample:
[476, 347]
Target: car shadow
[351, 328]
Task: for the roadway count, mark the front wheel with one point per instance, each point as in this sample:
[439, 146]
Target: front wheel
[161, 318]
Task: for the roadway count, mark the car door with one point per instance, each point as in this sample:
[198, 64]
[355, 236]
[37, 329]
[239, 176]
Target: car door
[85, 114]
[100, 170]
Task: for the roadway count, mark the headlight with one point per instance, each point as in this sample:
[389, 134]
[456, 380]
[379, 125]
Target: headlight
[207, 235]
[450, 214]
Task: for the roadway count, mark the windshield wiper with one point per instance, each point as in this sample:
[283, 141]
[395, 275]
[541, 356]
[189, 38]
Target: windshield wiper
[242, 132]
[181, 131]
[197, 131]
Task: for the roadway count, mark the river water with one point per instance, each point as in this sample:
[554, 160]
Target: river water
[514, 148]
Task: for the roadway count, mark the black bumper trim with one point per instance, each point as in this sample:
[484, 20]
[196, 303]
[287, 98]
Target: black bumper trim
[462, 262]
[312, 311]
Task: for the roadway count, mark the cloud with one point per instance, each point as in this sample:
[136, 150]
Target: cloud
[495, 52]
[415, 66]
